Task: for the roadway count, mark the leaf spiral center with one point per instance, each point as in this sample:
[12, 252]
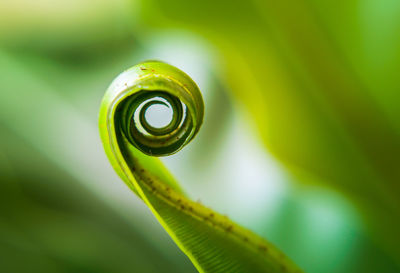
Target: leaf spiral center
[150, 139]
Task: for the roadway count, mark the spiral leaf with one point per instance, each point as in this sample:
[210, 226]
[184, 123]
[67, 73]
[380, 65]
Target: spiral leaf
[212, 242]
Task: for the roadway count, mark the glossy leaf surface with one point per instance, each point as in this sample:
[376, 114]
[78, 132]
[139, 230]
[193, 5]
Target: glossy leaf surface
[211, 241]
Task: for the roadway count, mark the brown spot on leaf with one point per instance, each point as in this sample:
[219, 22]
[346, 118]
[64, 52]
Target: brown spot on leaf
[263, 248]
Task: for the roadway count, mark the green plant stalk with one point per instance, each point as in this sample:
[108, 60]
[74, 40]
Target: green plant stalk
[211, 241]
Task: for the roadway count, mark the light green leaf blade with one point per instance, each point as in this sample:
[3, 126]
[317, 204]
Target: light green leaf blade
[210, 240]
[322, 92]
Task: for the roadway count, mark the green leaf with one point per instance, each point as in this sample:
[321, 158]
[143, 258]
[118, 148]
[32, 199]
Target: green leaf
[322, 91]
[211, 241]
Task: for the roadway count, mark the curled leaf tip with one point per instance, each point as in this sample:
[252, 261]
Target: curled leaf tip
[132, 142]
[156, 83]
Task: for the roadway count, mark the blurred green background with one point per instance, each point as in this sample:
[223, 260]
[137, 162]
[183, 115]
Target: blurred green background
[301, 139]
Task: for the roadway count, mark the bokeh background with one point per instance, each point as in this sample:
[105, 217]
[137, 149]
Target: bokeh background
[301, 139]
